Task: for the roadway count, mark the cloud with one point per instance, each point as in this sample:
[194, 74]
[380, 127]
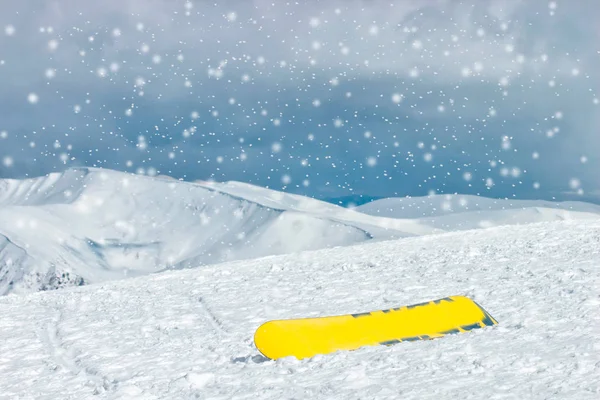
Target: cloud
[442, 95]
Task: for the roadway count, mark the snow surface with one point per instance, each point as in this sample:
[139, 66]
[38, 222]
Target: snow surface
[460, 212]
[89, 225]
[188, 333]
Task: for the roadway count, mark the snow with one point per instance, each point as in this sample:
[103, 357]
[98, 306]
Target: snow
[461, 212]
[188, 333]
[89, 225]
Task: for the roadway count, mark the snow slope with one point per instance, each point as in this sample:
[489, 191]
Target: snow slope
[188, 333]
[461, 212]
[90, 225]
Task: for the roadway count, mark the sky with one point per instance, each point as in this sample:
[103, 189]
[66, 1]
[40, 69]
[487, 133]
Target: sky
[322, 98]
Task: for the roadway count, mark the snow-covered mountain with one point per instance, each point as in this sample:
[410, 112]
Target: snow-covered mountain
[89, 225]
[189, 334]
[461, 212]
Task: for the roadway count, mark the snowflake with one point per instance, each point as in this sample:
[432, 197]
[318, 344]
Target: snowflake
[276, 147]
[574, 183]
[397, 98]
[33, 98]
[53, 45]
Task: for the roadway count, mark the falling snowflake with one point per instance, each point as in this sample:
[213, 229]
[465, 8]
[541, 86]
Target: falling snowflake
[8, 161]
[33, 98]
[276, 147]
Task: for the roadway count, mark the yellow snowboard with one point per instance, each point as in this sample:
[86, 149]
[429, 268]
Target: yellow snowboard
[306, 337]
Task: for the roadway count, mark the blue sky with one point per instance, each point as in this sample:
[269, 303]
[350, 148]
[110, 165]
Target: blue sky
[321, 98]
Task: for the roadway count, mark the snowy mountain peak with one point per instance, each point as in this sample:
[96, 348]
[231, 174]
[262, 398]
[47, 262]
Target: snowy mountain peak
[89, 225]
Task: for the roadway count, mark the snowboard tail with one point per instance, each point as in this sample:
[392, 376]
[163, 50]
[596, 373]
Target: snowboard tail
[307, 337]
